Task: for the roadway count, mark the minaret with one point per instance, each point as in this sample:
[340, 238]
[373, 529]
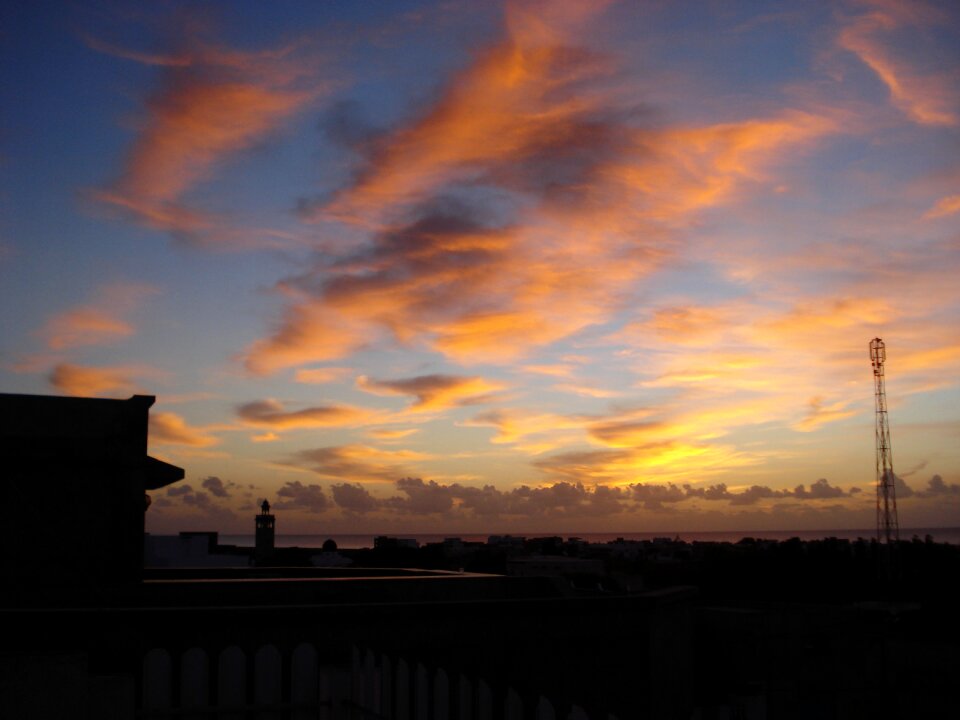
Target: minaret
[263, 551]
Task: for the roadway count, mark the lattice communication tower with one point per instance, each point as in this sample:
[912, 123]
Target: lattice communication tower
[887, 525]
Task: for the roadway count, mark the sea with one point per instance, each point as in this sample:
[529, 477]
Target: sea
[949, 535]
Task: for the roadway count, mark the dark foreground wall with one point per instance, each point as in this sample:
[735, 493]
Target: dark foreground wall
[626, 656]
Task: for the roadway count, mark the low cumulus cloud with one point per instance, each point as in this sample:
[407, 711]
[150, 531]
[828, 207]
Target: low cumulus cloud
[655, 497]
[354, 498]
[217, 487]
[295, 495]
[205, 504]
[415, 496]
[425, 498]
[936, 488]
[422, 498]
[820, 490]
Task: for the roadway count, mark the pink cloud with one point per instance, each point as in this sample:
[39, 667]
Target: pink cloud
[167, 428]
[944, 207]
[101, 321]
[928, 97]
[117, 381]
[212, 103]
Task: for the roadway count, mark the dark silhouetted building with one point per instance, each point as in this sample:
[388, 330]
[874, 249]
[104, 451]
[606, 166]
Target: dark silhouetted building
[76, 474]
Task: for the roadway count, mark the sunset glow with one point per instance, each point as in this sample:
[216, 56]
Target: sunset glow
[462, 267]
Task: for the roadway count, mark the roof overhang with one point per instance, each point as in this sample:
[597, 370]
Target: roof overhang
[160, 474]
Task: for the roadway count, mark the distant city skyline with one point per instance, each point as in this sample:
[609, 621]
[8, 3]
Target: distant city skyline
[462, 267]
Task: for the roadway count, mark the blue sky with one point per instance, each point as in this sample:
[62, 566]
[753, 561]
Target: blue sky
[520, 266]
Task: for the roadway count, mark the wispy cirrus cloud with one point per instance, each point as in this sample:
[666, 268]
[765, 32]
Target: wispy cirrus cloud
[927, 95]
[531, 431]
[944, 207]
[102, 320]
[586, 390]
[212, 103]
[484, 209]
[796, 361]
[525, 100]
[821, 413]
[557, 370]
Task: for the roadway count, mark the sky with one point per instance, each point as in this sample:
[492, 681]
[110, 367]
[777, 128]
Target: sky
[458, 266]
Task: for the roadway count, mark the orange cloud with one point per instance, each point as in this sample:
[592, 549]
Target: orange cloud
[515, 102]
[434, 392]
[388, 434]
[168, 428]
[308, 333]
[96, 381]
[675, 461]
[793, 364]
[533, 432]
[212, 103]
[530, 118]
[944, 207]
[811, 320]
[928, 98]
[559, 370]
[357, 463]
[99, 322]
[943, 357]
[321, 376]
[683, 325]
[265, 437]
[676, 172]
[586, 390]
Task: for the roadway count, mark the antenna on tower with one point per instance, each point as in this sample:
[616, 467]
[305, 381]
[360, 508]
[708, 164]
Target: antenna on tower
[887, 525]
